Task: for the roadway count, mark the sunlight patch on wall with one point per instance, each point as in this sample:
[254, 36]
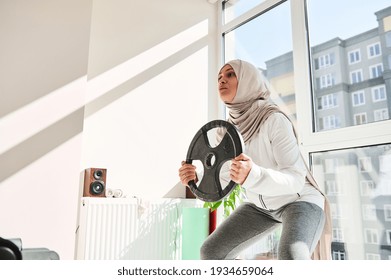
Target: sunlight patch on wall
[110, 79]
[28, 120]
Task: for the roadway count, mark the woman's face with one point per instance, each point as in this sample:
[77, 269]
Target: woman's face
[228, 83]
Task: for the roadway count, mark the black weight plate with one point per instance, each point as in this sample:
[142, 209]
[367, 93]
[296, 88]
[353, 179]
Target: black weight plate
[209, 187]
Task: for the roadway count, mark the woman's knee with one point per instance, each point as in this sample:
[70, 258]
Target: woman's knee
[209, 251]
[296, 251]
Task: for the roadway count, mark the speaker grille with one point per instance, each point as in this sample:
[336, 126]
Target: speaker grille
[94, 182]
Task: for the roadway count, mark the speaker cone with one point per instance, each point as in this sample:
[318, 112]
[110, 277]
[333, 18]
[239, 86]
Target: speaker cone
[97, 187]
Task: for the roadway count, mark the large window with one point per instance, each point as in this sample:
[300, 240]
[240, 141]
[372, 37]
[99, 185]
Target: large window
[331, 73]
[358, 36]
[361, 212]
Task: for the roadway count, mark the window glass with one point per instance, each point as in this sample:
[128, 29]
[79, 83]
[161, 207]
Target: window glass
[255, 41]
[348, 57]
[234, 8]
[357, 182]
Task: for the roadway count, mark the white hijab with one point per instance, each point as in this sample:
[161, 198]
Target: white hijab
[251, 105]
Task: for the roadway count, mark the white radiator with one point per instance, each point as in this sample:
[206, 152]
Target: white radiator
[127, 228]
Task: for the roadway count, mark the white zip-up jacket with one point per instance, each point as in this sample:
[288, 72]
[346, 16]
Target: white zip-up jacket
[278, 174]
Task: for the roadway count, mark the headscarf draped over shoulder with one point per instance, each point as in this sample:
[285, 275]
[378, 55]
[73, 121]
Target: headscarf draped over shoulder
[251, 105]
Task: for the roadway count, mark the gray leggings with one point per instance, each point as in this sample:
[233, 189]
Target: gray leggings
[302, 225]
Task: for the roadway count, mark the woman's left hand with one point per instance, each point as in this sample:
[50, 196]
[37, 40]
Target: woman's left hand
[240, 168]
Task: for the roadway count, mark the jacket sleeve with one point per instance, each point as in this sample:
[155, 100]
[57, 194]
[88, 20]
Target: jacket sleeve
[288, 176]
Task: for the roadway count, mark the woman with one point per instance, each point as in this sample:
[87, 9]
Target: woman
[276, 181]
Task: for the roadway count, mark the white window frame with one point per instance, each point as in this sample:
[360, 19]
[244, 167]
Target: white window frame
[325, 60]
[360, 98]
[373, 47]
[326, 80]
[356, 76]
[371, 236]
[369, 212]
[339, 255]
[329, 122]
[388, 234]
[381, 114]
[378, 69]
[337, 234]
[356, 56]
[377, 92]
[327, 101]
[362, 117]
[387, 212]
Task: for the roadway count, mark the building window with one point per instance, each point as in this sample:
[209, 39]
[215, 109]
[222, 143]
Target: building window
[327, 101]
[336, 211]
[360, 118]
[332, 188]
[387, 212]
[371, 236]
[354, 56]
[369, 212]
[325, 81]
[374, 50]
[376, 70]
[338, 255]
[356, 76]
[329, 122]
[388, 39]
[367, 188]
[381, 114]
[337, 235]
[367, 199]
[379, 93]
[365, 164]
[324, 61]
[373, 257]
[358, 98]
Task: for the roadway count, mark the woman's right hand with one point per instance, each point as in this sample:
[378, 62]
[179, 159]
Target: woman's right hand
[187, 172]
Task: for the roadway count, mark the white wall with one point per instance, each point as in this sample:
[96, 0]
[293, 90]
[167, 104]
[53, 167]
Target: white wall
[43, 66]
[150, 66]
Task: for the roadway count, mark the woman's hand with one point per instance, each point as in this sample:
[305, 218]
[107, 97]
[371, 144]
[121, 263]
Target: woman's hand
[240, 168]
[187, 172]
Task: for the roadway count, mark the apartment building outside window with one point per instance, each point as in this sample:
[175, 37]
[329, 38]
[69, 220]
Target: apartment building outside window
[358, 98]
[360, 118]
[354, 56]
[381, 114]
[327, 101]
[379, 93]
[356, 76]
[374, 50]
[324, 61]
[376, 71]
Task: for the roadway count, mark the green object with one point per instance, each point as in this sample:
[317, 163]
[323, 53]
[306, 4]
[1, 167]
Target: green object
[229, 203]
[195, 229]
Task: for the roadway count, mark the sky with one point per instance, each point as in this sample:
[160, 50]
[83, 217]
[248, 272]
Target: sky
[269, 35]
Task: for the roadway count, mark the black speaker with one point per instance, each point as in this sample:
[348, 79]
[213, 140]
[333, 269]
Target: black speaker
[95, 182]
